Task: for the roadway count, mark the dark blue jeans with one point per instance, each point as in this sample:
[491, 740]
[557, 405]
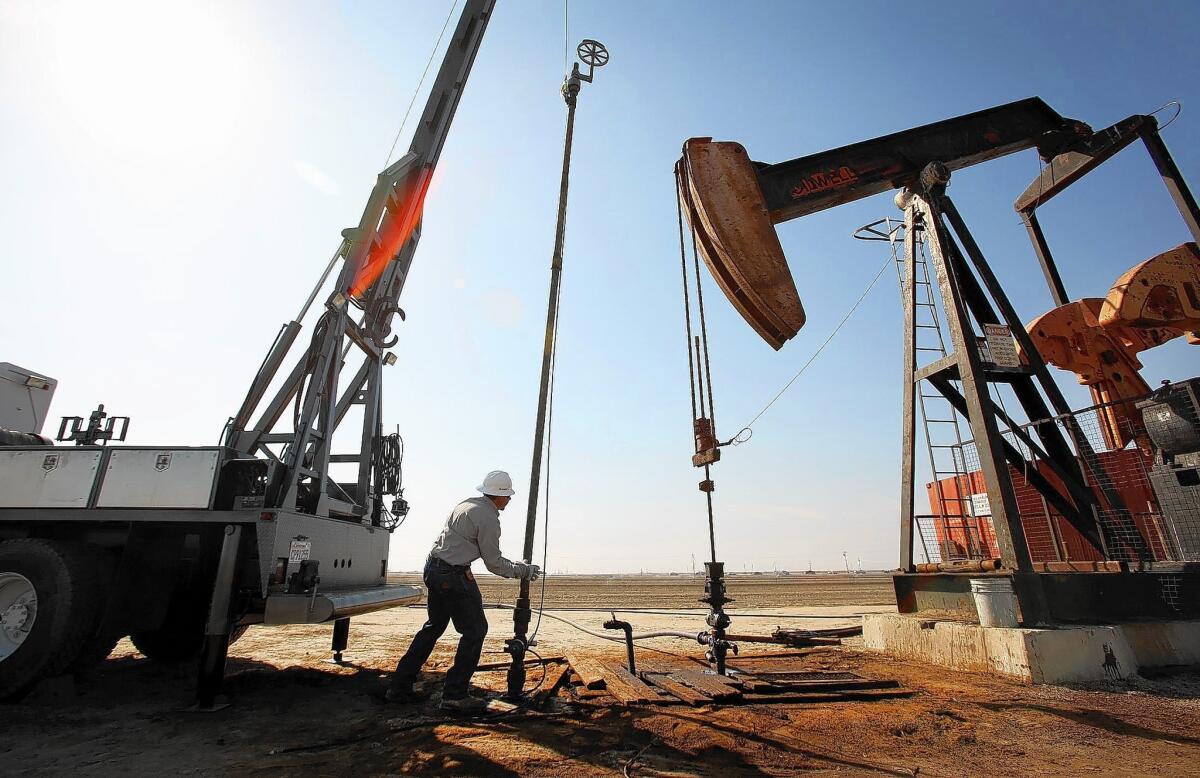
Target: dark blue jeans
[451, 595]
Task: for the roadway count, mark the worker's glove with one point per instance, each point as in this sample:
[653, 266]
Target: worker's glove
[526, 571]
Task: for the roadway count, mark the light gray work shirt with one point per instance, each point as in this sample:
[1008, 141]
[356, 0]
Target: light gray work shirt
[473, 532]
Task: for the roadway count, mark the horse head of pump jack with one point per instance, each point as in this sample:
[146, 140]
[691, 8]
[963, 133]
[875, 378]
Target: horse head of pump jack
[733, 203]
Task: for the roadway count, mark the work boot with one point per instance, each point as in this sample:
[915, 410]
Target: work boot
[468, 704]
[398, 695]
[403, 696]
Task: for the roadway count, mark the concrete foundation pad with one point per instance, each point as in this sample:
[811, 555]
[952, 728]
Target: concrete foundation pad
[1071, 654]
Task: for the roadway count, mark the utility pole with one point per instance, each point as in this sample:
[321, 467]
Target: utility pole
[594, 55]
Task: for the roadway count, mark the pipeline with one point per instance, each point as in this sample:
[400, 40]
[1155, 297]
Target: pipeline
[960, 566]
[698, 612]
[638, 636]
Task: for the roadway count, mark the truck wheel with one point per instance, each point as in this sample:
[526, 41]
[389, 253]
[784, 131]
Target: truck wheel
[49, 606]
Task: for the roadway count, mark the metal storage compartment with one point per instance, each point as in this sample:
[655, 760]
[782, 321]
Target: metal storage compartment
[159, 478]
[47, 477]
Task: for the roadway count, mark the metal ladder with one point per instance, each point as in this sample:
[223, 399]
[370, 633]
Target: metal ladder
[943, 435]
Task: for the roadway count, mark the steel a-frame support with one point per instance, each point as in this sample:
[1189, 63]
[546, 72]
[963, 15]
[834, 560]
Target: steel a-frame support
[968, 291]
[1073, 164]
[1006, 519]
[966, 358]
[971, 294]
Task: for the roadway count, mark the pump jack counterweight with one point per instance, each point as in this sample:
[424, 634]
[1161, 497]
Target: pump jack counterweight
[594, 55]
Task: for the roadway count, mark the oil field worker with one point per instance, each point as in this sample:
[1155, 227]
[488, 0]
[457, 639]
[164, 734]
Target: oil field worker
[472, 532]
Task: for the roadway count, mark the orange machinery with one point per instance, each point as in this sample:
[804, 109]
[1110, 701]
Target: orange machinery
[1099, 339]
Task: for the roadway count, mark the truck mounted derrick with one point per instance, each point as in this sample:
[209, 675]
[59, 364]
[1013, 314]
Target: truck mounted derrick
[182, 548]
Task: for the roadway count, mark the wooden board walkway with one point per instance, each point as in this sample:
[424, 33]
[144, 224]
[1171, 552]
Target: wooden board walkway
[679, 691]
[665, 685]
[590, 671]
[625, 687]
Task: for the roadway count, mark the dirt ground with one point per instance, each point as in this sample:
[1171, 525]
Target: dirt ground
[293, 713]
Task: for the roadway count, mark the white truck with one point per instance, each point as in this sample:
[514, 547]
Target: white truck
[182, 547]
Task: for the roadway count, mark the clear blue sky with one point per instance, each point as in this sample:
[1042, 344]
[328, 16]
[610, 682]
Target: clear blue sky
[176, 174]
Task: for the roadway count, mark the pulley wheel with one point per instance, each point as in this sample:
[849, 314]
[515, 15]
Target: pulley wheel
[592, 53]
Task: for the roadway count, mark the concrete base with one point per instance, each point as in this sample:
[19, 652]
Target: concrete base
[1064, 655]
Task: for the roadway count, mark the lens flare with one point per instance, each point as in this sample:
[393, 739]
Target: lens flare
[394, 231]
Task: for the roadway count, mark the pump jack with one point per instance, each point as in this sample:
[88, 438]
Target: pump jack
[732, 205]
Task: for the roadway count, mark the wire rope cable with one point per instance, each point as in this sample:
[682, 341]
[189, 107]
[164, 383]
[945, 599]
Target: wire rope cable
[697, 612]
[687, 304]
[665, 633]
[420, 83]
[541, 680]
[707, 381]
[748, 428]
[699, 370]
[1178, 110]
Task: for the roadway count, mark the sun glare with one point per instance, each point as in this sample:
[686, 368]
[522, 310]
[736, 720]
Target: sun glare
[159, 77]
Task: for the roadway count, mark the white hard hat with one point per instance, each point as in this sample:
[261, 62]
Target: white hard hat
[497, 483]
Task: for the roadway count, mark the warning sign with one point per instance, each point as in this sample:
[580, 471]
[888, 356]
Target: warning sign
[1001, 345]
[299, 551]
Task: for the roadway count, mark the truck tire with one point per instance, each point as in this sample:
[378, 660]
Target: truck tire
[49, 608]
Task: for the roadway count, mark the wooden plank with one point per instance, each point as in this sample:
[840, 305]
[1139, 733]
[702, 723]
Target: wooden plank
[833, 696]
[628, 689]
[584, 693]
[589, 671]
[791, 674]
[772, 655]
[716, 687]
[678, 690]
[554, 678]
[508, 664]
[774, 687]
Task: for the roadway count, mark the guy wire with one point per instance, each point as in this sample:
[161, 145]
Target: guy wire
[417, 91]
[737, 438]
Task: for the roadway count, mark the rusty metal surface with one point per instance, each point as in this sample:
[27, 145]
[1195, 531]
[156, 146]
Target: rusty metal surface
[1099, 339]
[1104, 360]
[734, 234]
[1162, 292]
[1071, 165]
[830, 178]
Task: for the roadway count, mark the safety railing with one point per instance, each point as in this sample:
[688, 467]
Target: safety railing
[1140, 458]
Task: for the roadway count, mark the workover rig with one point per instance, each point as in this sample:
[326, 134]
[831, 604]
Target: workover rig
[1087, 529]
[183, 547]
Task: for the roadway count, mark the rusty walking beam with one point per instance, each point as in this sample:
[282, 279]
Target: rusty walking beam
[732, 203]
